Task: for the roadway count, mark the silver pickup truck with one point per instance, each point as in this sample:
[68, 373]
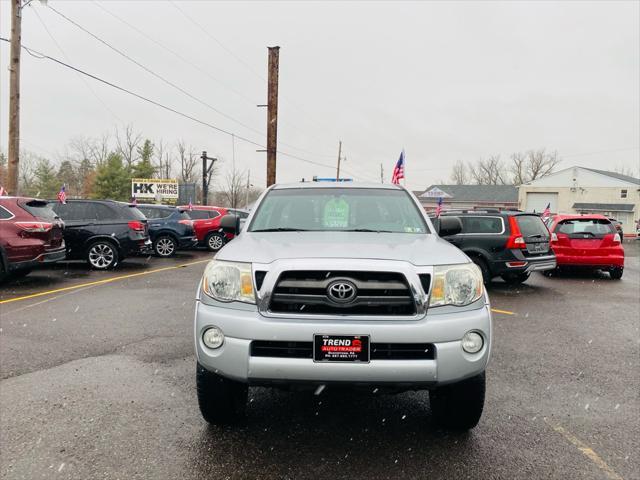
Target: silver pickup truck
[342, 285]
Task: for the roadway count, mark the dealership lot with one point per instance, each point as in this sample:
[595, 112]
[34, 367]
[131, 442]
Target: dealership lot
[98, 382]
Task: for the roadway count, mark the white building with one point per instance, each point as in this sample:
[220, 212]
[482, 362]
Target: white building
[585, 190]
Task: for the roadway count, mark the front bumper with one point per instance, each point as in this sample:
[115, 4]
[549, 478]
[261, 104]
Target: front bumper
[243, 325]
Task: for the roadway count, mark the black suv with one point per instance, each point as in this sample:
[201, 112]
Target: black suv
[170, 229]
[102, 232]
[507, 244]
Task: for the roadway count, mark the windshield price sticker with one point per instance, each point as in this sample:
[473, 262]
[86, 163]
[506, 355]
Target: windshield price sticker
[336, 213]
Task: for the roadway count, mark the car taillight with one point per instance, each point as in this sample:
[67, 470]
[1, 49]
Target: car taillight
[515, 239]
[616, 238]
[136, 226]
[554, 237]
[186, 222]
[35, 227]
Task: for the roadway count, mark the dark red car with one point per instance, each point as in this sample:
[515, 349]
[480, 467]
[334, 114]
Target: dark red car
[206, 223]
[587, 241]
[30, 235]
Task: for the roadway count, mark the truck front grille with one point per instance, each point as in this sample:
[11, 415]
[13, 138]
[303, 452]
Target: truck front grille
[379, 351]
[376, 293]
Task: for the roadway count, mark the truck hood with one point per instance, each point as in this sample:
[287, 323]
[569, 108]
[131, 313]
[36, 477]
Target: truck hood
[418, 249]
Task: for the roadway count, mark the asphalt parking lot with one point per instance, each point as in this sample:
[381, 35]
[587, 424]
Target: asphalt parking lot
[98, 382]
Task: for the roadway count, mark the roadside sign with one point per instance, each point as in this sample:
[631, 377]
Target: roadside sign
[155, 189]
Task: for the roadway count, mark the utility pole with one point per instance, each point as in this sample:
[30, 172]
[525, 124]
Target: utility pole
[381, 174]
[246, 196]
[14, 97]
[339, 157]
[272, 114]
[207, 170]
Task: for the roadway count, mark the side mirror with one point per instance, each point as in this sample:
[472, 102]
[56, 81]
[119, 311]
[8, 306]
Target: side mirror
[448, 226]
[230, 224]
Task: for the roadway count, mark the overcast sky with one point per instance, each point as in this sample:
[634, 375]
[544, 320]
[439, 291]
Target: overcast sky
[445, 81]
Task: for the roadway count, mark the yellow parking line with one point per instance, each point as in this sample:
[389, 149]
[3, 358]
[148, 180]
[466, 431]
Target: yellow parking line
[99, 282]
[586, 450]
[504, 312]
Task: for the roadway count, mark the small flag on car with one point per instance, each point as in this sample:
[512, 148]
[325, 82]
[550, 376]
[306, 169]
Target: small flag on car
[190, 206]
[546, 213]
[134, 201]
[439, 207]
[3, 192]
[62, 194]
[398, 170]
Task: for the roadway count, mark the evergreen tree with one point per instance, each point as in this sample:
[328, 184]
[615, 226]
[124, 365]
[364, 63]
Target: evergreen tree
[144, 168]
[68, 175]
[46, 183]
[112, 180]
[86, 178]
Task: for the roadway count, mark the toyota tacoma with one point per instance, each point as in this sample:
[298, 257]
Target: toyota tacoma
[342, 285]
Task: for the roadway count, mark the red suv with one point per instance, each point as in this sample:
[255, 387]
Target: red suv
[206, 223]
[587, 241]
[30, 235]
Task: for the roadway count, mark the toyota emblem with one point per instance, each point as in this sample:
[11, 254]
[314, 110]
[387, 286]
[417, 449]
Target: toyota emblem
[341, 291]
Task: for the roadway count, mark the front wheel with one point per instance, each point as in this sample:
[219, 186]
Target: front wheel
[616, 273]
[165, 246]
[515, 278]
[102, 255]
[221, 401]
[459, 406]
[214, 241]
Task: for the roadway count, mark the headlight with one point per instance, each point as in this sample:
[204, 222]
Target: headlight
[456, 285]
[228, 282]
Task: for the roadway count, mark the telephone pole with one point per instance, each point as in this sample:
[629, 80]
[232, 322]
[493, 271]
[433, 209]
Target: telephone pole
[272, 114]
[14, 97]
[207, 170]
[339, 158]
[381, 174]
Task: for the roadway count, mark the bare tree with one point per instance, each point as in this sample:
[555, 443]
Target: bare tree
[188, 160]
[532, 164]
[164, 159]
[233, 189]
[459, 173]
[127, 143]
[95, 150]
[488, 171]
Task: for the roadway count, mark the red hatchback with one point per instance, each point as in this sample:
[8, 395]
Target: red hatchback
[587, 241]
[30, 235]
[206, 223]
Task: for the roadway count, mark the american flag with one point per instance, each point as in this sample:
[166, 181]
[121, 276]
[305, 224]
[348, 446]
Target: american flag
[134, 201]
[62, 194]
[3, 192]
[439, 207]
[546, 213]
[398, 170]
[190, 205]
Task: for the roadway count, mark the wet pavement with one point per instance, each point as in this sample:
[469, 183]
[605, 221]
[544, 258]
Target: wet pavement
[98, 381]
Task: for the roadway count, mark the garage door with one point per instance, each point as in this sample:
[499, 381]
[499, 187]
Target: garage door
[538, 201]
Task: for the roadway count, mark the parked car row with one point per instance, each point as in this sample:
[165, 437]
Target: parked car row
[101, 232]
[512, 244]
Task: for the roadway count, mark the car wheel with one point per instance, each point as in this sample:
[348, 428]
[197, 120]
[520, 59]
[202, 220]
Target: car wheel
[616, 273]
[221, 401]
[515, 278]
[459, 406]
[214, 241]
[102, 255]
[165, 246]
[486, 274]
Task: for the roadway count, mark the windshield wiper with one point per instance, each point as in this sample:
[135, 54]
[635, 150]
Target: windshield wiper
[366, 230]
[281, 229]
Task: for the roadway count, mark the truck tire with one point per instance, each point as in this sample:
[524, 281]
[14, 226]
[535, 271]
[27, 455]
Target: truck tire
[214, 241]
[459, 406]
[221, 401]
[165, 246]
[102, 255]
[616, 273]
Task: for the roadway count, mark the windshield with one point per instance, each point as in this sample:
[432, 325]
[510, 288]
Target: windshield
[532, 226]
[338, 209]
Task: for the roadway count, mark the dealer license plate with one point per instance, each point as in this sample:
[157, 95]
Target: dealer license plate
[541, 247]
[340, 348]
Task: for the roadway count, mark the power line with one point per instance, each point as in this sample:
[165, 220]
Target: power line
[95, 94]
[41, 56]
[151, 72]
